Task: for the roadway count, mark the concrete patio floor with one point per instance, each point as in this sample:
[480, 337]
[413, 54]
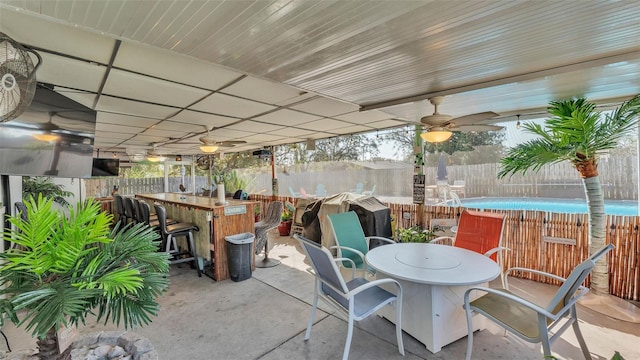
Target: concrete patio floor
[265, 317]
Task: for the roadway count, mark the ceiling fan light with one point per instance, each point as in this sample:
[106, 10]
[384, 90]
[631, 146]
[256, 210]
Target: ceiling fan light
[209, 148]
[47, 136]
[156, 158]
[436, 135]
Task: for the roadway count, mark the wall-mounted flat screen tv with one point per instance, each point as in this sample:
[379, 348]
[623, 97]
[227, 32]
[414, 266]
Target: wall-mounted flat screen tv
[105, 167]
[53, 137]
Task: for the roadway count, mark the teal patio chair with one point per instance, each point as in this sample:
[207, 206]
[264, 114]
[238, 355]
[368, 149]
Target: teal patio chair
[351, 242]
[529, 321]
[370, 192]
[358, 189]
[356, 299]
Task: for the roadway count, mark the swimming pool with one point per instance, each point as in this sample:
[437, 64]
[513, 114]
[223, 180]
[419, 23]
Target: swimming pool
[611, 207]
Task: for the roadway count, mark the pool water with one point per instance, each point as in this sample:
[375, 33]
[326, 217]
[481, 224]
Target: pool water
[611, 207]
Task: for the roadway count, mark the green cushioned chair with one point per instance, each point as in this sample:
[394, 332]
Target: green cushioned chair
[529, 321]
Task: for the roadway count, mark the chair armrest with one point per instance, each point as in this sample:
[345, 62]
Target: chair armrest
[538, 272]
[353, 265]
[495, 250]
[439, 239]
[350, 249]
[377, 241]
[374, 283]
[519, 300]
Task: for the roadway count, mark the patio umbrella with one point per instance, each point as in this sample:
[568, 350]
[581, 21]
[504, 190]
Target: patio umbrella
[441, 172]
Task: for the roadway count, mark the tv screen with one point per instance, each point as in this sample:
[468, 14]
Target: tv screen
[105, 167]
[53, 137]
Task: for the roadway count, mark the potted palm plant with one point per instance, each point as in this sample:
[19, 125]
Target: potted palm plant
[63, 269]
[578, 133]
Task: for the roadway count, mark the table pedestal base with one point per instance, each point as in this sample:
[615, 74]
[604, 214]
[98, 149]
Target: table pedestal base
[433, 314]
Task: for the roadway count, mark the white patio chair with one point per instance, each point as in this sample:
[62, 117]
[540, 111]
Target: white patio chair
[357, 299]
[529, 321]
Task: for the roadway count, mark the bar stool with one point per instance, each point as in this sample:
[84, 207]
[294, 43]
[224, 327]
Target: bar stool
[128, 211]
[169, 234]
[145, 212]
[119, 207]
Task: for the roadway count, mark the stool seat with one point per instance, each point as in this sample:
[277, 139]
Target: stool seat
[181, 227]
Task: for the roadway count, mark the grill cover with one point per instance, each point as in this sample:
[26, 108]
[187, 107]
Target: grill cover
[374, 216]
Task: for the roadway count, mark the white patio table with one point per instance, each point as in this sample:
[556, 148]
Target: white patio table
[434, 279]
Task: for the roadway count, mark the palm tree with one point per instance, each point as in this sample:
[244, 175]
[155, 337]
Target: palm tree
[578, 133]
[62, 269]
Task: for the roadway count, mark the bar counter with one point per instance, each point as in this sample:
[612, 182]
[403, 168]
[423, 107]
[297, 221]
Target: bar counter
[215, 222]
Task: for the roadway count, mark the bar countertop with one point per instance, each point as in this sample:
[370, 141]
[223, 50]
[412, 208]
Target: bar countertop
[201, 202]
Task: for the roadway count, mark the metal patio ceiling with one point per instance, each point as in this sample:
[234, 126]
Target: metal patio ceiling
[276, 72]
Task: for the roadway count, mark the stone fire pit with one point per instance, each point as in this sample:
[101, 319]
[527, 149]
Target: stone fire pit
[106, 345]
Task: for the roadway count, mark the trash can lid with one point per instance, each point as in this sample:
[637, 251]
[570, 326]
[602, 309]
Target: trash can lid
[244, 238]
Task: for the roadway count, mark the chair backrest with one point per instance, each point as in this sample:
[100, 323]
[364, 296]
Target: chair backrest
[348, 232]
[320, 190]
[145, 211]
[273, 216]
[119, 205]
[237, 194]
[358, 189]
[479, 231]
[137, 215]
[325, 269]
[21, 209]
[128, 207]
[455, 199]
[162, 218]
[568, 289]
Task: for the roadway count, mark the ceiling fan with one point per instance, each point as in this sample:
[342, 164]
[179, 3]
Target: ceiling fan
[155, 155]
[440, 126]
[209, 143]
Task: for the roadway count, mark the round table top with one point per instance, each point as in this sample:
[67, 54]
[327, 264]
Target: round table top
[432, 264]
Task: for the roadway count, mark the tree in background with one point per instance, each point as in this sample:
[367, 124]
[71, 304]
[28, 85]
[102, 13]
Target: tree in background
[461, 144]
[340, 148]
[349, 147]
[143, 170]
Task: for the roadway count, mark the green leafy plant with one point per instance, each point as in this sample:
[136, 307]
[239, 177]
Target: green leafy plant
[286, 215]
[33, 186]
[65, 268]
[415, 234]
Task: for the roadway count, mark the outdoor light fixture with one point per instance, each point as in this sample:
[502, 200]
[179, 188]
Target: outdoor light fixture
[518, 123]
[436, 135]
[209, 148]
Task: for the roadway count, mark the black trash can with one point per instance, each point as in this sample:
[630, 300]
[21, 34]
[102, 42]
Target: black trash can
[239, 255]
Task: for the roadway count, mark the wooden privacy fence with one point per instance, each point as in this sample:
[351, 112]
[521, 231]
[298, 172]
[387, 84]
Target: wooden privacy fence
[536, 240]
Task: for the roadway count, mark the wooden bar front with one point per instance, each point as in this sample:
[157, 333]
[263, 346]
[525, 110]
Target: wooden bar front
[215, 222]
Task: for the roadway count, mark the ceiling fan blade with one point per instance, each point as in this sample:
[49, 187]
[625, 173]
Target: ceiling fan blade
[234, 142]
[476, 127]
[473, 118]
